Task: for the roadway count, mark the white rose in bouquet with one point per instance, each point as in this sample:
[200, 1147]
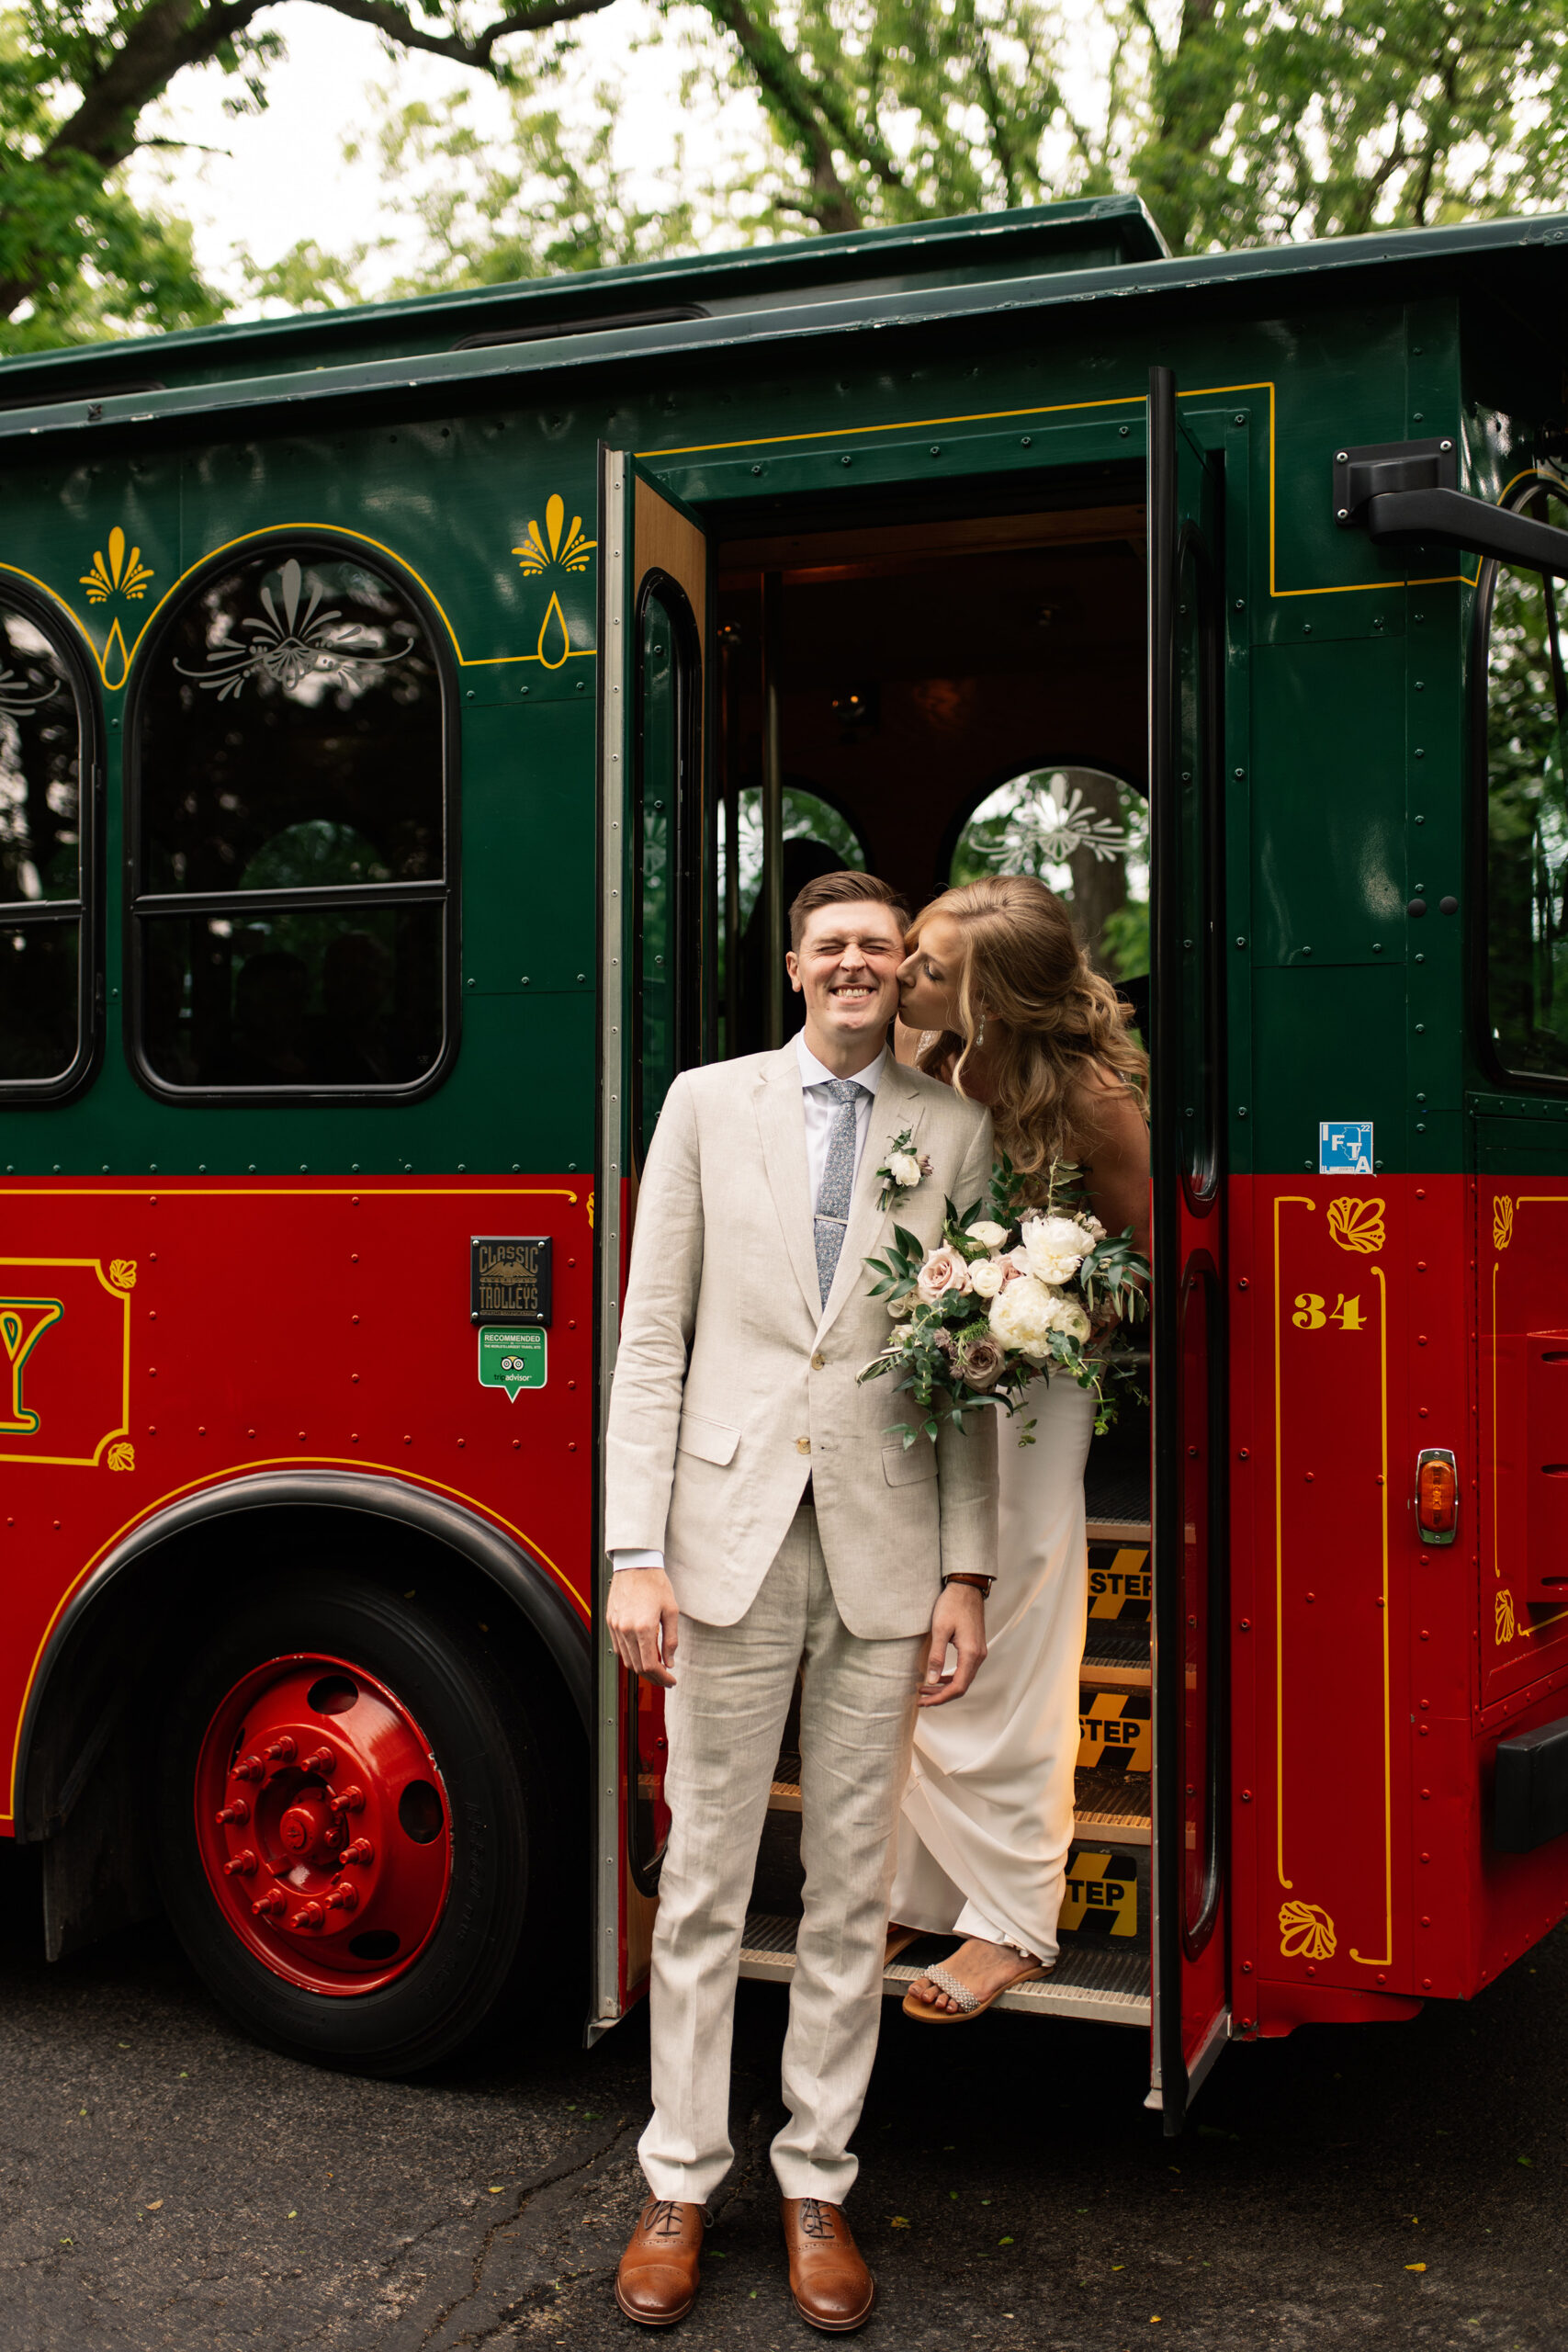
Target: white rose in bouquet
[987, 1276]
[1055, 1247]
[1024, 1314]
[1074, 1321]
[988, 1235]
[904, 1169]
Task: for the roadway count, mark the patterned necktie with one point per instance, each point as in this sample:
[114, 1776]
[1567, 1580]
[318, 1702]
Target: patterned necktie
[838, 1179]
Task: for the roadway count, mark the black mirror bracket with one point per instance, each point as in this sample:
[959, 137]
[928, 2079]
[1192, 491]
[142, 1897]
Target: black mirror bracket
[1402, 494]
[1385, 468]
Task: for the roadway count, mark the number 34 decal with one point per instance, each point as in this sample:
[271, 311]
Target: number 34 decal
[1311, 1314]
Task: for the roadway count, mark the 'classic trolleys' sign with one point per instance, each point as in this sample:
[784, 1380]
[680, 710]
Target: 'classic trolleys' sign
[509, 1279]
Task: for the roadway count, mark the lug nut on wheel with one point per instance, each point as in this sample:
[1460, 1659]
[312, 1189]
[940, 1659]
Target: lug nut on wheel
[343, 1897]
[309, 1915]
[250, 1768]
[321, 1760]
[271, 1905]
[282, 1750]
[242, 1866]
[360, 1851]
[238, 1810]
[351, 1801]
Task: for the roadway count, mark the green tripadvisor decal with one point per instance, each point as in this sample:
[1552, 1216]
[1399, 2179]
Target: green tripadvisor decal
[513, 1360]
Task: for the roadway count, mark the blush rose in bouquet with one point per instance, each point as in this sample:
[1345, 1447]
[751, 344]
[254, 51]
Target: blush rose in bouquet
[1014, 1288]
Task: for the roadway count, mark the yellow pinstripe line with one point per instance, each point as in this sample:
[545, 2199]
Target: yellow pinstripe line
[1385, 1959]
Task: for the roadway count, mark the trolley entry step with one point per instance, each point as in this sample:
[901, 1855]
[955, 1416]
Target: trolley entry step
[1089, 1981]
[1116, 1647]
[1113, 1807]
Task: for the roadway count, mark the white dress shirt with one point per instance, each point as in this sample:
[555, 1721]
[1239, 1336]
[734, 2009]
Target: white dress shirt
[820, 1113]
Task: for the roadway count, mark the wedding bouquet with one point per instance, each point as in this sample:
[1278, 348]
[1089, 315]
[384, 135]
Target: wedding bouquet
[1013, 1289]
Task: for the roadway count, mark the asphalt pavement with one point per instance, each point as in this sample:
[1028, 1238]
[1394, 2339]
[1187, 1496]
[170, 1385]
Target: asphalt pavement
[164, 2182]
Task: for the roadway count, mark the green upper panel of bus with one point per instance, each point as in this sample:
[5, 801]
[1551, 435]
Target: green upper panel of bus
[1101, 247]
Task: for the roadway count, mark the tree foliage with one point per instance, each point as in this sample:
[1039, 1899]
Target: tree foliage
[1239, 121]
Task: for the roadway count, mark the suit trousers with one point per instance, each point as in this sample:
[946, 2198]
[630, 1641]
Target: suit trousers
[724, 1720]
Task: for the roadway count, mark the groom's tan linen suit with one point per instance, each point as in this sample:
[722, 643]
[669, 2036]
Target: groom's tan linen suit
[734, 1384]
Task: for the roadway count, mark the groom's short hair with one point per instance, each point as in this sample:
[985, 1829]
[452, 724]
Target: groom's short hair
[842, 889]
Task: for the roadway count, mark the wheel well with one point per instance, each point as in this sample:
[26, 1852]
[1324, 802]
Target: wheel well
[95, 1703]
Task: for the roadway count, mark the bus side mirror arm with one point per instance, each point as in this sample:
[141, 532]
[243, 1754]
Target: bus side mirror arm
[1396, 519]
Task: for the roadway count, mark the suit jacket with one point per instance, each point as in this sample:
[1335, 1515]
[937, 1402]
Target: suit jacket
[733, 1382]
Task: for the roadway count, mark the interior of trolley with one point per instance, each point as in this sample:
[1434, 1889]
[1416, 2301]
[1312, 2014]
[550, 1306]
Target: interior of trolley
[934, 698]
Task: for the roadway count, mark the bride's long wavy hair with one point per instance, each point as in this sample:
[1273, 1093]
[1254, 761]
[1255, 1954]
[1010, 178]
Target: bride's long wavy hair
[1047, 1018]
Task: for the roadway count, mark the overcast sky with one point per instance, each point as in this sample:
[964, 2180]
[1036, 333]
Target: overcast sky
[280, 177]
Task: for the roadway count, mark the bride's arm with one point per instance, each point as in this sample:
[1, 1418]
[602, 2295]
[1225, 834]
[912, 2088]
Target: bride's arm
[1118, 1174]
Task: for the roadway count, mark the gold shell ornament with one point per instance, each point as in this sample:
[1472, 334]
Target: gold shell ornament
[1357, 1225]
[1306, 1932]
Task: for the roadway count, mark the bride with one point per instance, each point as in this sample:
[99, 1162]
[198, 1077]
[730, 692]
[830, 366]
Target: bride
[998, 997]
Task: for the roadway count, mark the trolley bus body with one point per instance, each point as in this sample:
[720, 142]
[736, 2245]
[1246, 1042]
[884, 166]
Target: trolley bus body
[458, 631]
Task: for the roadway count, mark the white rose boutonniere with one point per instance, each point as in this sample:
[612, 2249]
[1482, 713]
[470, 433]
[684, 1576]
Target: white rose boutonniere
[903, 1169]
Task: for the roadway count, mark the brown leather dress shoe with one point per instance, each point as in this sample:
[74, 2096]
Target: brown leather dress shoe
[657, 2281]
[832, 2288]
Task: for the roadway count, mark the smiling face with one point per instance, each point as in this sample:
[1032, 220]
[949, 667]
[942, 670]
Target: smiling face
[928, 975]
[846, 967]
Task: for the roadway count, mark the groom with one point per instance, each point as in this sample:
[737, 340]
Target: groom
[761, 1519]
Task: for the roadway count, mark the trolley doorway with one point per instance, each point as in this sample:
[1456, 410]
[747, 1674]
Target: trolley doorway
[879, 673]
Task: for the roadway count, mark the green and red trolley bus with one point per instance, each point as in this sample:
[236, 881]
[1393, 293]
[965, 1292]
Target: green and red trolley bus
[387, 699]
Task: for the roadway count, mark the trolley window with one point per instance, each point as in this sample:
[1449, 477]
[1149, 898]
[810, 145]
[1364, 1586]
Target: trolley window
[45, 812]
[292, 917]
[1526, 963]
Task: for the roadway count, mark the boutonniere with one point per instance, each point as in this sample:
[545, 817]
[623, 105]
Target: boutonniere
[903, 1169]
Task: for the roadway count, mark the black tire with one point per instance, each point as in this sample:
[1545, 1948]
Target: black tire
[505, 1834]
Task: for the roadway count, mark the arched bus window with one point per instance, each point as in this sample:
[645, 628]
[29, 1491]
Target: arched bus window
[47, 1028]
[293, 925]
[1522, 618]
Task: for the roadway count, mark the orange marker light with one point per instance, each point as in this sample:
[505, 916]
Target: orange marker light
[1436, 1495]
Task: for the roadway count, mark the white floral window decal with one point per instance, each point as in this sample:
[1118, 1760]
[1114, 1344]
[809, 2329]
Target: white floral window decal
[19, 697]
[288, 645]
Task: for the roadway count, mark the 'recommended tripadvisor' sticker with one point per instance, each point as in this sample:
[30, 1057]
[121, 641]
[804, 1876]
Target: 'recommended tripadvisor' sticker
[513, 1360]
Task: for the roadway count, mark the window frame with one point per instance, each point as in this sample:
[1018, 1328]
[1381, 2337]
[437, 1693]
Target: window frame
[1497, 1072]
[141, 905]
[87, 907]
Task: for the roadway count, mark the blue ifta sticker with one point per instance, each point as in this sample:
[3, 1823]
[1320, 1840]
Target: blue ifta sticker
[1345, 1148]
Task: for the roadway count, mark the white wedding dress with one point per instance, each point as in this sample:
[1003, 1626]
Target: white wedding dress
[988, 1816]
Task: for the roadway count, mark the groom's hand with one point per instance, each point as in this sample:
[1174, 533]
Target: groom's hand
[645, 1622]
[959, 1618]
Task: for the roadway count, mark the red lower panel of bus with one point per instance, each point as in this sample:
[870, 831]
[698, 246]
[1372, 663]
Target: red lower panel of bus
[1373, 1673]
[163, 1337]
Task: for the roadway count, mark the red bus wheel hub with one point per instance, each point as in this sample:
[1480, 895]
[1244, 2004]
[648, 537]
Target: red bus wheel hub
[331, 1863]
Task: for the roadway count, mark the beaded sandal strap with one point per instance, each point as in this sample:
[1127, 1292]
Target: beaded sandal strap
[946, 1982]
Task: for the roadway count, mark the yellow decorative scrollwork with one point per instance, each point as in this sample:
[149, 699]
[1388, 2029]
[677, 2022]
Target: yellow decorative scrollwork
[1502, 1220]
[123, 574]
[122, 1456]
[590, 1211]
[1503, 1617]
[1306, 1932]
[570, 553]
[122, 1272]
[1357, 1225]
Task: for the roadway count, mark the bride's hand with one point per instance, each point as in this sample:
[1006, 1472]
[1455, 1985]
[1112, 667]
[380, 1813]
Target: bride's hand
[959, 1618]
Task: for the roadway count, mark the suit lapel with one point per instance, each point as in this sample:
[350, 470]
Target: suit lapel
[897, 1104]
[781, 1120]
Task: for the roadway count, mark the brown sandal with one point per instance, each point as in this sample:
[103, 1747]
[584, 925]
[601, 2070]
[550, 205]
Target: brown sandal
[970, 2004]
